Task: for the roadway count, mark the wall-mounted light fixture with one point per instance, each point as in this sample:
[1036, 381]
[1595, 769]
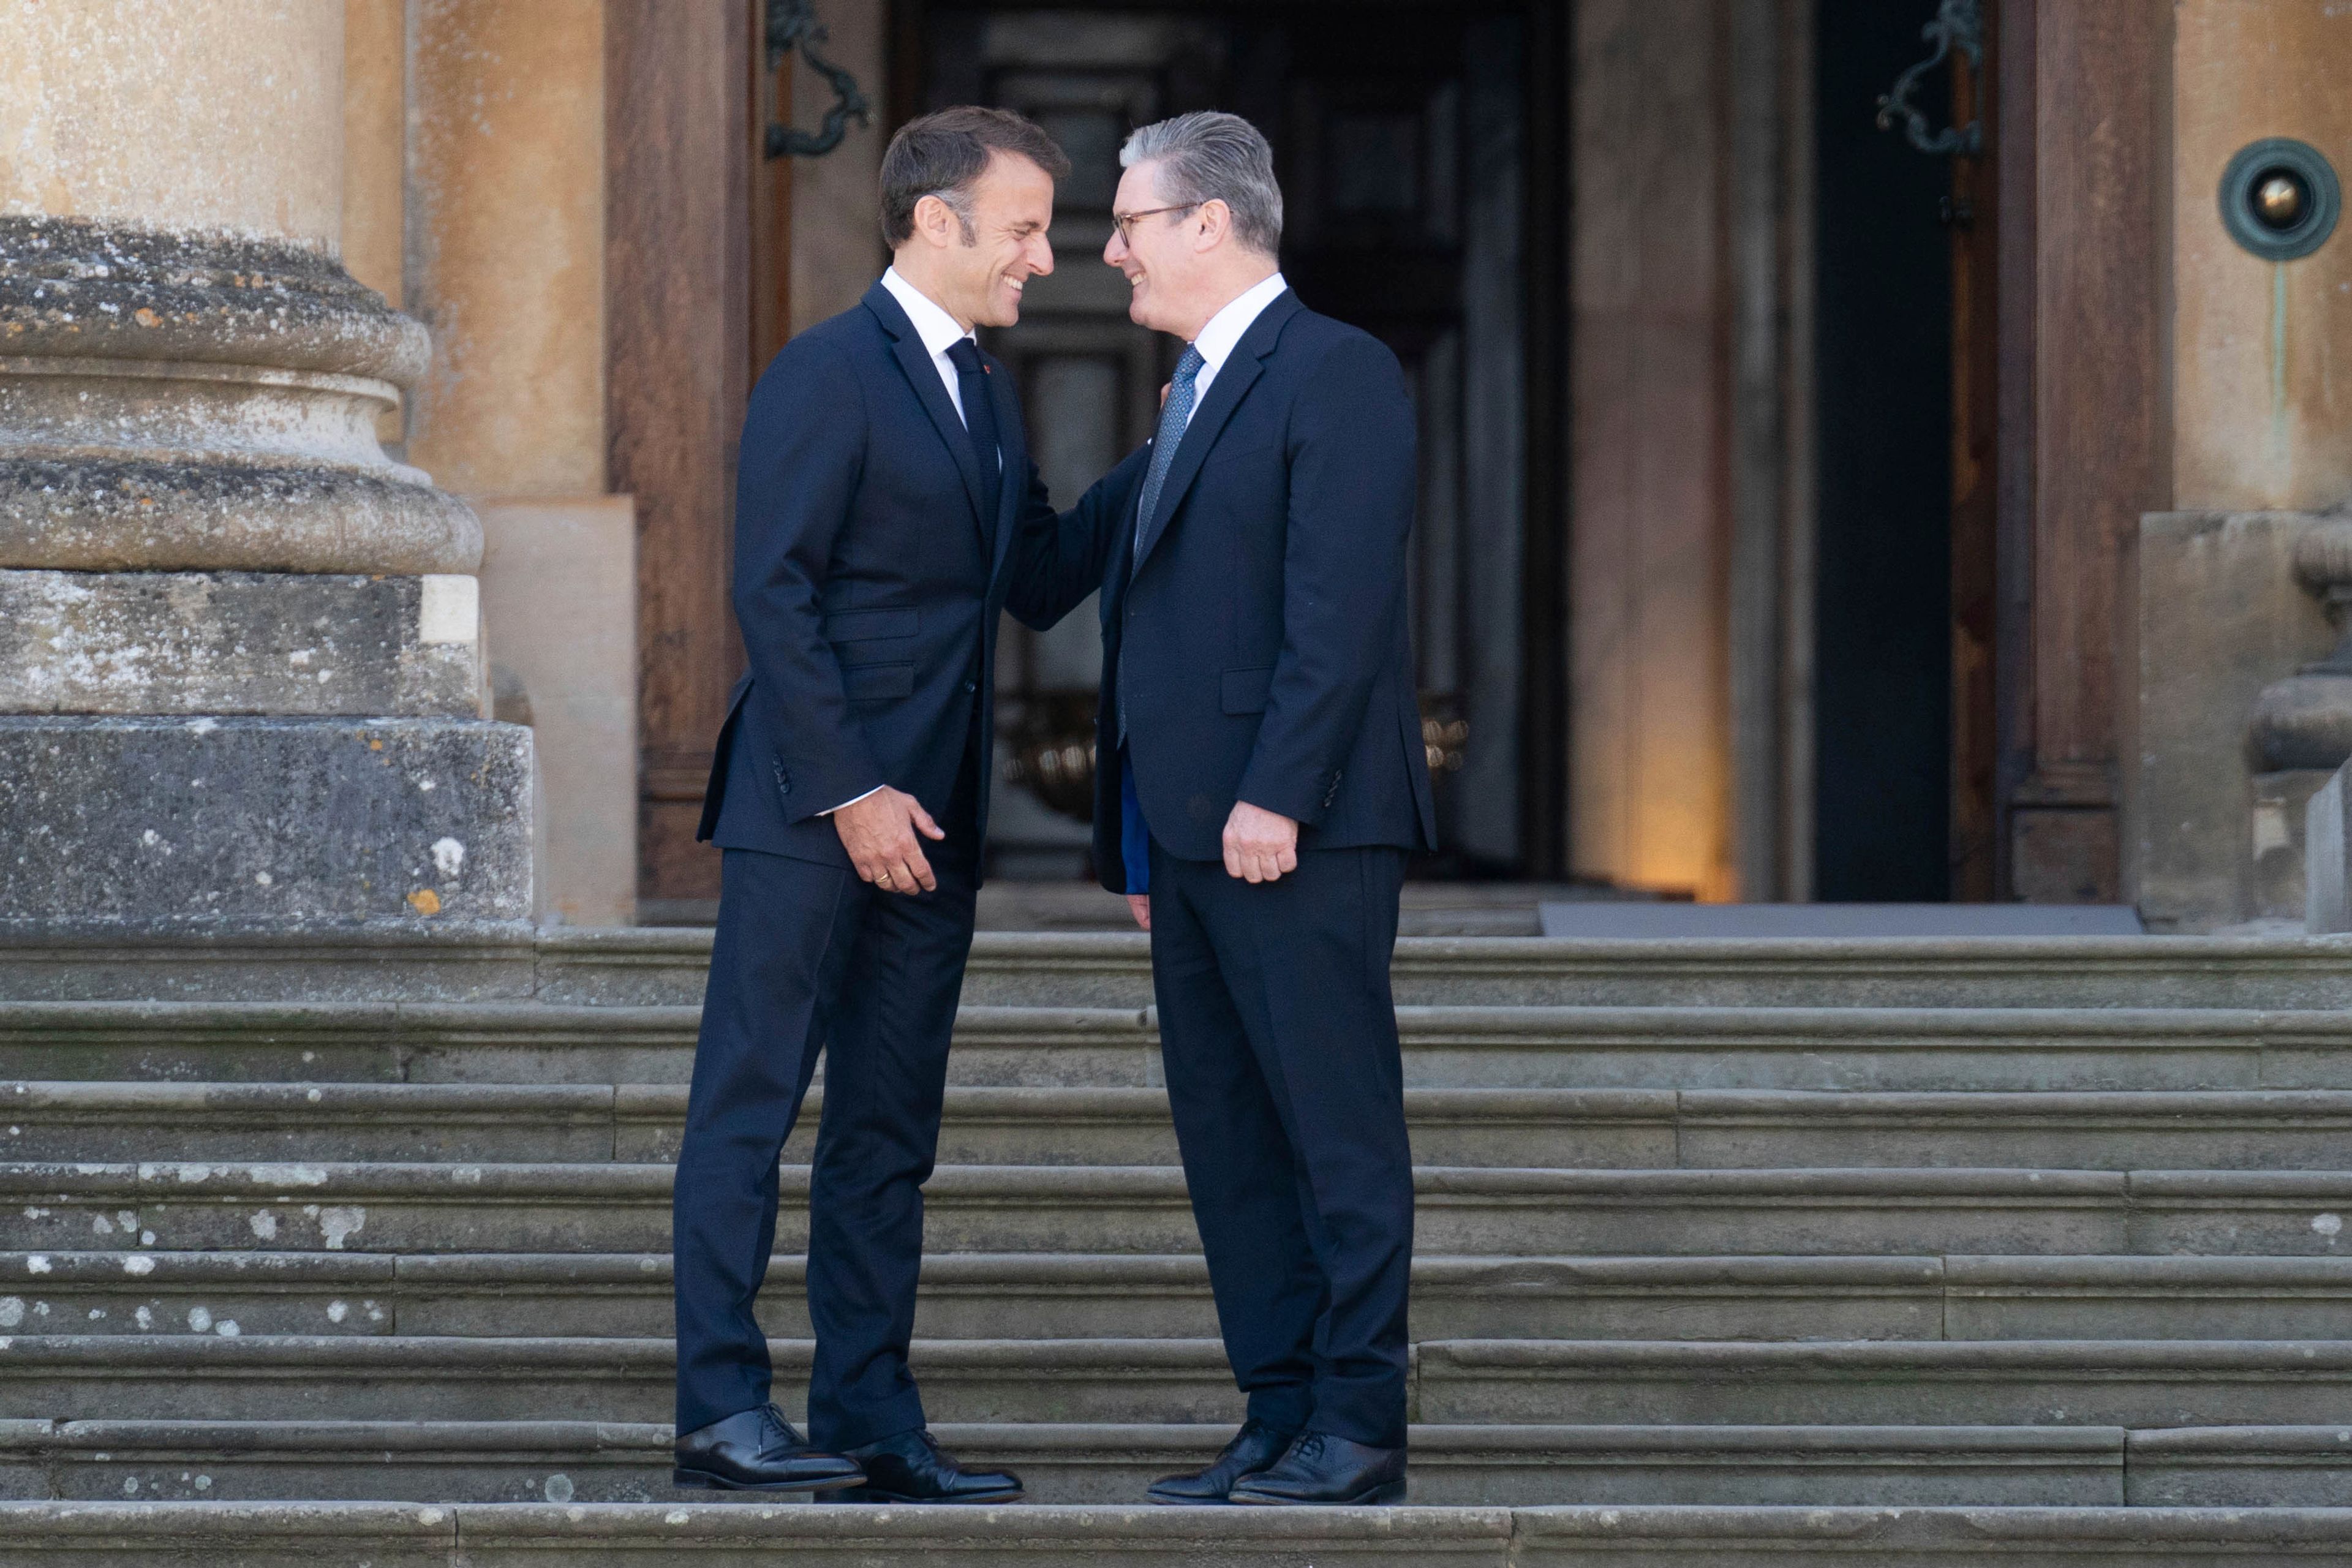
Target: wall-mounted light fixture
[2279, 198]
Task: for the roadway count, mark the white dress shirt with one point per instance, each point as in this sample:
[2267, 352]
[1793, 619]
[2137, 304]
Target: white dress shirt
[940, 333]
[1223, 333]
[935, 327]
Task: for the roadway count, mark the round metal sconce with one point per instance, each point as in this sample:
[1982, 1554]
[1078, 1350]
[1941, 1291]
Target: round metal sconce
[2279, 198]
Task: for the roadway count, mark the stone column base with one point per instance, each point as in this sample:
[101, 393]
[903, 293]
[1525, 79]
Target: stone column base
[300, 644]
[283, 822]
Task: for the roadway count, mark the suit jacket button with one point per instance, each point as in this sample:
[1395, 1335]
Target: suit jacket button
[971, 685]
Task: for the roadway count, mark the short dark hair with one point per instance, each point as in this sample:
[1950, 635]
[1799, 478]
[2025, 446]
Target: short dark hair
[944, 155]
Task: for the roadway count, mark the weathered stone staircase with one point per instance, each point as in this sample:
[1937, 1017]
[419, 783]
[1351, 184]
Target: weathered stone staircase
[1870, 1253]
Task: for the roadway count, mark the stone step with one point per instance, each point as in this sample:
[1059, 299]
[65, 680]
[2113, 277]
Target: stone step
[2123, 1383]
[614, 1207]
[1671, 1046]
[1460, 1466]
[982, 1295]
[1033, 969]
[1586, 1128]
[719, 1535]
[249, 1377]
[978, 1295]
[1082, 1296]
[2117, 1382]
[463, 961]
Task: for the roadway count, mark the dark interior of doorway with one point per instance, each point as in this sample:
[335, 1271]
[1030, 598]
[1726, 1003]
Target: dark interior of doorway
[1884, 376]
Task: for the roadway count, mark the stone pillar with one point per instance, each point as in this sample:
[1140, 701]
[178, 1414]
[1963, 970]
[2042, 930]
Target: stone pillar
[240, 660]
[2243, 711]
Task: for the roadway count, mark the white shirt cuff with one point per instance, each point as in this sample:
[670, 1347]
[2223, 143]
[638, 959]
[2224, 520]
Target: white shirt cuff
[845, 805]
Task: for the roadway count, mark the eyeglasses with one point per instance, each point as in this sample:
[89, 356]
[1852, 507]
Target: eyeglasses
[1125, 222]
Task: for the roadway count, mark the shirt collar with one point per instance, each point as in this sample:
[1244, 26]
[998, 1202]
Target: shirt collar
[1223, 333]
[934, 326]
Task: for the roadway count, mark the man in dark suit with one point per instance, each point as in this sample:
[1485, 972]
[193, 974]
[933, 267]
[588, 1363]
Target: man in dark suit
[883, 495]
[1262, 780]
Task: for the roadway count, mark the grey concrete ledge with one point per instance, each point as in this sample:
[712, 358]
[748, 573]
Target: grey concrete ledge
[2246, 1465]
[488, 1026]
[78, 288]
[165, 514]
[1514, 1362]
[1111, 1271]
[2135, 1384]
[1522, 1358]
[289, 820]
[2098, 1110]
[241, 1180]
[613, 1207]
[2021, 986]
[2325, 1444]
[1899, 1538]
[247, 966]
[2169, 971]
[387, 947]
[1011, 1441]
[1959, 1298]
[105, 1535]
[1075, 1125]
[289, 645]
[591, 1462]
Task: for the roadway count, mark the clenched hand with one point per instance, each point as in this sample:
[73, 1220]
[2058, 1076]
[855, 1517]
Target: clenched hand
[879, 834]
[1260, 844]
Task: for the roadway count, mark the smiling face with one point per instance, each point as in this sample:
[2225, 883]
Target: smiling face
[1161, 261]
[980, 282]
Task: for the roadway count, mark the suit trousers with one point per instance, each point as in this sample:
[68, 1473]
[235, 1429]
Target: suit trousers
[809, 957]
[1278, 1035]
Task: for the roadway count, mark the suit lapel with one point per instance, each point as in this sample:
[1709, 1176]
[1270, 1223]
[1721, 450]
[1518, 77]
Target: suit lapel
[923, 375]
[1238, 374]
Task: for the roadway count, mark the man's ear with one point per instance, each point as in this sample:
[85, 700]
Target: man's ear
[934, 221]
[1216, 224]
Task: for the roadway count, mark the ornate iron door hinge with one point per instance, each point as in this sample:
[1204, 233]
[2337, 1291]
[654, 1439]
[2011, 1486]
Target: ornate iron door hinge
[1958, 25]
[793, 22]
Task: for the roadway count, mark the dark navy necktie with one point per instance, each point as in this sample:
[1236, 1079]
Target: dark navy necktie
[980, 424]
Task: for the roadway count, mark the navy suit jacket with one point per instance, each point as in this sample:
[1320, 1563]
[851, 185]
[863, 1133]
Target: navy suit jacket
[1258, 633]
[870, 572]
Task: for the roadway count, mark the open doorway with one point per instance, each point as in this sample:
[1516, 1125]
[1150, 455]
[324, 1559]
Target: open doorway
[1884, 233]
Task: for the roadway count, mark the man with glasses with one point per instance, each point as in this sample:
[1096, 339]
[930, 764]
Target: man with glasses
[1261, 781]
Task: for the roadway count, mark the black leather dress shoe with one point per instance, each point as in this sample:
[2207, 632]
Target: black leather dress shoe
[757, 1451]
[912, 1467]
[1254, 1448]
[1320, 1468]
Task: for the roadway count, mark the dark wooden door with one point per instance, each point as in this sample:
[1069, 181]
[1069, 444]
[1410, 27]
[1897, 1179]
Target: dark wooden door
[680, 169]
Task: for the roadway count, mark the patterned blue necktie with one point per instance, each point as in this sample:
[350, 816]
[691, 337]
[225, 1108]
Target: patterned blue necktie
[1173, 419]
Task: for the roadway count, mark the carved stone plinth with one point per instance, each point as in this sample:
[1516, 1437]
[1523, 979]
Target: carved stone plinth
[241, 671]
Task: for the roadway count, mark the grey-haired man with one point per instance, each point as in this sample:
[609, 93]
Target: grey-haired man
[1261, 783]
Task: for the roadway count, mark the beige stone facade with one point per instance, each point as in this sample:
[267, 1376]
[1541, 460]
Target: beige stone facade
[571, 204]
